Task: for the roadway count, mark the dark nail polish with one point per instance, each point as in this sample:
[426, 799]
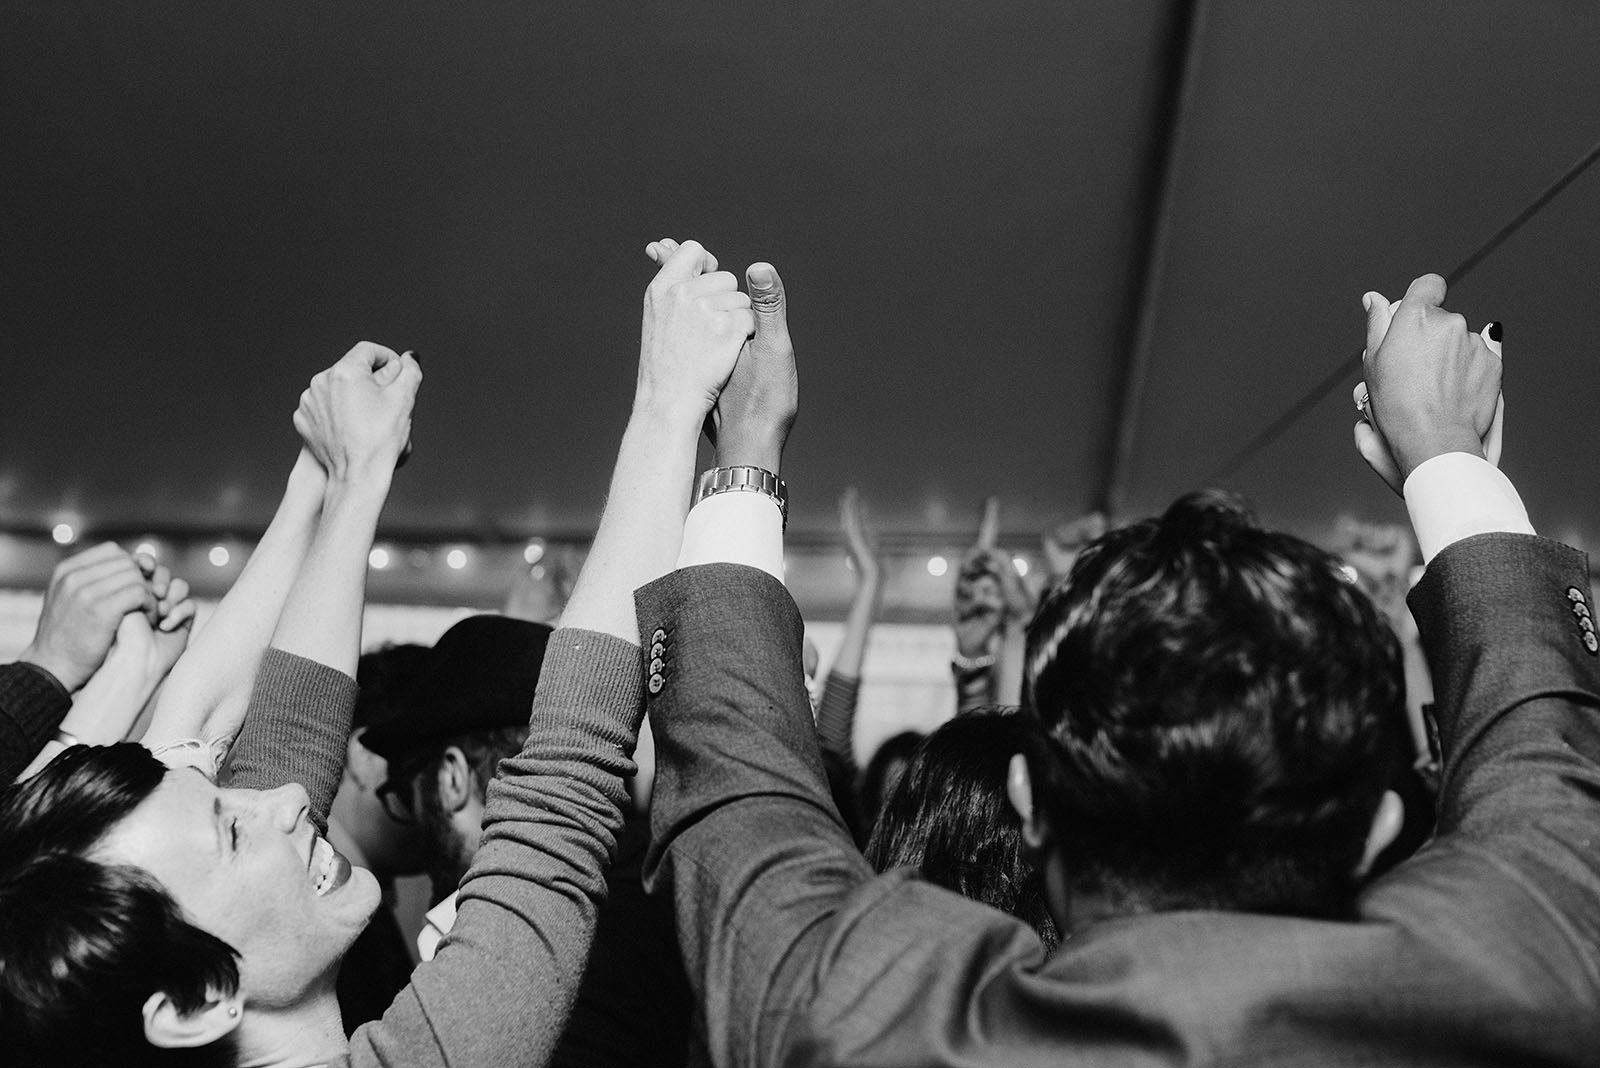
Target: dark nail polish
[1495, 329]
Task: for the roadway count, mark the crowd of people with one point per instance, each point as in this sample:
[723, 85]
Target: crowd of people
[1213, 795]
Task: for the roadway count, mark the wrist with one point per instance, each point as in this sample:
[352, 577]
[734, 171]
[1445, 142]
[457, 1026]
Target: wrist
[669, 411]
[70, 677]
[1418, 451]
[743, 448]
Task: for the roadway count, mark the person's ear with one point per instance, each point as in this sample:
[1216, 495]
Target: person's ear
[362, 766]
[1019, 791]
[1386, 824]
[455, 779]
[166, 1026]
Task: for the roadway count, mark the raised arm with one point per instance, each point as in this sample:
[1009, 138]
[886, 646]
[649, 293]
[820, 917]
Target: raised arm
[355, 419]
[206, 694]
[503, 981]
[1504, 616]
[836, 712]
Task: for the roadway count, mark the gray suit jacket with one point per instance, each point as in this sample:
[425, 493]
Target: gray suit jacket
[1483, 949]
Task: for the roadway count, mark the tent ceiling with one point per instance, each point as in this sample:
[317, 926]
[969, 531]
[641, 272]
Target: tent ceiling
[208, 204]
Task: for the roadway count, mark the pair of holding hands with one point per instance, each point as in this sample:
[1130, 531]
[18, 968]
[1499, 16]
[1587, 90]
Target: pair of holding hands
[355, 417]
[710, 352]
[106, 597]
[1433, 385]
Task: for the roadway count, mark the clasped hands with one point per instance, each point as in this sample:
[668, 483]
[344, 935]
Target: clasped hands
[1433, 385]
[711, 354]
[355, 417]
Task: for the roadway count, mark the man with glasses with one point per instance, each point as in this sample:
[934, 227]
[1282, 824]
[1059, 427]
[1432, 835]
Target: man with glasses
[465, 711]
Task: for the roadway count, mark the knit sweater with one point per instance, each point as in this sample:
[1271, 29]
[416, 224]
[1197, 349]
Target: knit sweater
[32, 706]
[499, 990]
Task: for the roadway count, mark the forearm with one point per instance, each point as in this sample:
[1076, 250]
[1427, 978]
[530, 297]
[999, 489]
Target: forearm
[858, 625]
[642, 526]
[321, 617]
[1516, 688]
[743, 828]
[106, 707]
[207, 691]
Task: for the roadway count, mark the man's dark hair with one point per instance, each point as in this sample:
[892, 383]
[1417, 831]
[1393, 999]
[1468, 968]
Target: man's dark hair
[948, 816]
[83, 944]
[1221, 711]
[446, 857]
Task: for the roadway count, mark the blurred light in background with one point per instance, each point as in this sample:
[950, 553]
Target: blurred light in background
[937, 566]
[64, 534]
[456, 559]
[534, 552]
[218, 556]
[378, 558]
[1021, 564]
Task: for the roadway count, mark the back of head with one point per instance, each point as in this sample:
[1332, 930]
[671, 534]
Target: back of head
[83, 944]
[948, 816]
[1221, 710]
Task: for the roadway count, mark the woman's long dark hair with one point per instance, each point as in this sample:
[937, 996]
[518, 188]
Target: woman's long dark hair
[948, 816]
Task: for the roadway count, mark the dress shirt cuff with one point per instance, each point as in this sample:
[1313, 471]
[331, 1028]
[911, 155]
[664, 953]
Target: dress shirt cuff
[735, 528]
[1455, 495]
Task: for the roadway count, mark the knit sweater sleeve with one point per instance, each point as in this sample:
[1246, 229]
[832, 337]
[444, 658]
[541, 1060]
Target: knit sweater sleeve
[32, 706]
[295, 730]
[836, 715]
[504, 979]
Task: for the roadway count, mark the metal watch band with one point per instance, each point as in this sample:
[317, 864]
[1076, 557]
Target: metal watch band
[744, 479]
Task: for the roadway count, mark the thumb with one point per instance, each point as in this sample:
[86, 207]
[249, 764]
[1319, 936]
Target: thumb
[1379, 314]
[766, 296]
[1429, 290]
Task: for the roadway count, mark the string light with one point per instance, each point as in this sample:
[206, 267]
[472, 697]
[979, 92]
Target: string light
[534, 552]
[64, 534]
[455, 559]
[218, 556]
[1021, 564]
[378, 558]
[938, 566]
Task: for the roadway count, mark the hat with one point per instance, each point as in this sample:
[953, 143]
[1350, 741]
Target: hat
[479, 675]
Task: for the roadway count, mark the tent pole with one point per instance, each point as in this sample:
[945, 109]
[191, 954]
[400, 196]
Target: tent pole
[1139, 314]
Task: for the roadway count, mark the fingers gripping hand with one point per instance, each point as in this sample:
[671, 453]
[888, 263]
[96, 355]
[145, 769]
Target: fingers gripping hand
[1432, 386]
[695, 322]
[87, 597]
[757, 408]
[355, 417]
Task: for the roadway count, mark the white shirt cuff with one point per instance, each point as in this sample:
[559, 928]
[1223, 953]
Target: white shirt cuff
[1456, 495]
[735, 528]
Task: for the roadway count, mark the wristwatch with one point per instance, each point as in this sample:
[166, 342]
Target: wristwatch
[744, 479]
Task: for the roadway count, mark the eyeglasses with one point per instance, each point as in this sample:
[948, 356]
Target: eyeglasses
[396, 801]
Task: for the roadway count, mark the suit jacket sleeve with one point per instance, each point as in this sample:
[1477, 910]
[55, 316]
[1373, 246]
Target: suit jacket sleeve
[1502, 619]
[797, 952]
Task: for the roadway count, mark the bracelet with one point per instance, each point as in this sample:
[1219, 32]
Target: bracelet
[67, 739]
[962, 665]
[745, 479]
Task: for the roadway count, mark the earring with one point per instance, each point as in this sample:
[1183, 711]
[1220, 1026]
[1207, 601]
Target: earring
[233, 1012]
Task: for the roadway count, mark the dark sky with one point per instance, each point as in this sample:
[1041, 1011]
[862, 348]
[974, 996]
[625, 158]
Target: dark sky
[207, 203]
